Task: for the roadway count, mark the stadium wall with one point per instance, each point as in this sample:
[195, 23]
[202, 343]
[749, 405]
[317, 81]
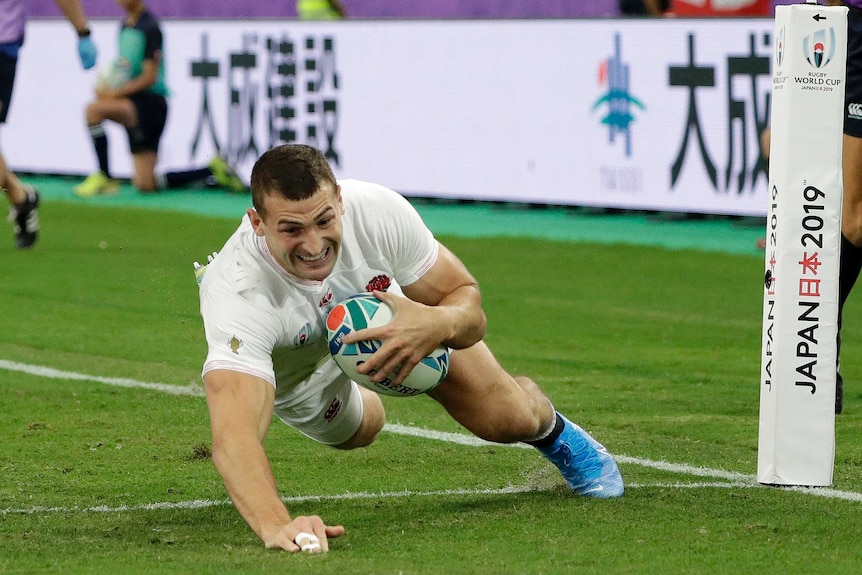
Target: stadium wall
[636, 114]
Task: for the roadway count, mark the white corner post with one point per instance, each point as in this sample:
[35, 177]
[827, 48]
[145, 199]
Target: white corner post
[803, 238]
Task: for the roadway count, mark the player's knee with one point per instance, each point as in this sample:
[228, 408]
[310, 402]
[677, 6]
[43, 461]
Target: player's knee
[93, 113]
[364, 436]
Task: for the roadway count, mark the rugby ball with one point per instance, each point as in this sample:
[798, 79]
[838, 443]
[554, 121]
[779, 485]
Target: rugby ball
[362, 311]
[113, 75]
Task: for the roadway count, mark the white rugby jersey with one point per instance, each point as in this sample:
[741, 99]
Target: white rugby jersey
[265, 322]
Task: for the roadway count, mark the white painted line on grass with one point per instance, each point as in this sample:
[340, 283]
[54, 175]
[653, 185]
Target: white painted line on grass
[42, 371]
[660, 465]
[204, 503]
[736, 479]
[818, 491]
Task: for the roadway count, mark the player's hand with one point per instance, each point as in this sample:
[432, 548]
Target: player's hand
[305, 534]
[413, 333]
[88, 52]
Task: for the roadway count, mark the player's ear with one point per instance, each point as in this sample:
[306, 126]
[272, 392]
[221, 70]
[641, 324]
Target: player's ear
[256, 221]
[338, 194]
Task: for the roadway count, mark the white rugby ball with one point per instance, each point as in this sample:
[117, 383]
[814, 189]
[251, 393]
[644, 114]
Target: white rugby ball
[364, 310]
[113, 75]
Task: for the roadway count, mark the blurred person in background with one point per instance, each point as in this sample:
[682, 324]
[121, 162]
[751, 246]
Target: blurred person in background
[644, 7]
[320, 10]
[136, 98]
[23, 198]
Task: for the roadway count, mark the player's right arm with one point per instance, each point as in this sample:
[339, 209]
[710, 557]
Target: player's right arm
[241, 408]
[74, 13]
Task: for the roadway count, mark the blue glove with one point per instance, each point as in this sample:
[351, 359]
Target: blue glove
[87, 51]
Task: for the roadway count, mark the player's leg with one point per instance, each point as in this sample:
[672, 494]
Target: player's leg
[23, 198]
[332, 410]
[10, 183]
[121, 111]
[373, 418]
[479, 394]
[225, 175]
[851, 224]
[144, 138]
[144, 178]
[23, 207]
[217, 173]
[851, 238]
[484, 398]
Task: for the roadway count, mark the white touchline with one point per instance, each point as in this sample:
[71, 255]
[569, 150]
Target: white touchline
[51, 373]
[203, 503]
[737, 479]
[661, 465]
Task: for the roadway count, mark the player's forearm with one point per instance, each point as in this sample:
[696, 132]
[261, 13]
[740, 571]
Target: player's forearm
[247, 476]
[463, 317]
[75, 14]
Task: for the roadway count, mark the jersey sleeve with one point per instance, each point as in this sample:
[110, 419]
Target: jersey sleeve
[398, 232]
[153, 44]
[240, 336]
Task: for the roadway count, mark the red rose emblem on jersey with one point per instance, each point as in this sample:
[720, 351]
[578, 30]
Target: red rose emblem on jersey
[380, 283]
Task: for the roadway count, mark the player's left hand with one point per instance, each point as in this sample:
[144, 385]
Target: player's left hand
[414, 332]
[88, 52]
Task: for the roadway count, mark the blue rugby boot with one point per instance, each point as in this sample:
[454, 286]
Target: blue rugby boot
[584, 462]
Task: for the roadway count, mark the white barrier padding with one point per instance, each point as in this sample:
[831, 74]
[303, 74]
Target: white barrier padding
[799, 351]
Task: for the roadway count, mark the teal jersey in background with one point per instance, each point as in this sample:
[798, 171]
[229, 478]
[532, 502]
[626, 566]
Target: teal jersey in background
[140, 42]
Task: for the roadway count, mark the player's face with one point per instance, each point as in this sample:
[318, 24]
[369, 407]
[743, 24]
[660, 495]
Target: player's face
[304, 236]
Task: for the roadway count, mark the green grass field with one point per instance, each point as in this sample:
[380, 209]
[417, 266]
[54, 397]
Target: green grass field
[655, 351]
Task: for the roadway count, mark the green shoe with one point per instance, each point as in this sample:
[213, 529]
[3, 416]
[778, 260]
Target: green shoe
[226, 176]
[96, 184]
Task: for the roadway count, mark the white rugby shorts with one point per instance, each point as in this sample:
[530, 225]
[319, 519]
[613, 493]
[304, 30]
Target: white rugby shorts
[327, 407]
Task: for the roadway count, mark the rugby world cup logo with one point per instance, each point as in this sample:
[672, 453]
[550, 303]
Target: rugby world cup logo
[819, 47]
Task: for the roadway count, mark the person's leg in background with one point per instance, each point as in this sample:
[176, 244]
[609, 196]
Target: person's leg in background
[23, 198]
[851, 213]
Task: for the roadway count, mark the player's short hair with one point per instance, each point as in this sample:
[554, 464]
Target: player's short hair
[295, 171]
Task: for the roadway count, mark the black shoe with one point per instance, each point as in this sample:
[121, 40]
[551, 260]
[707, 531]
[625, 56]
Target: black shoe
[839, 393]
[25, 218]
